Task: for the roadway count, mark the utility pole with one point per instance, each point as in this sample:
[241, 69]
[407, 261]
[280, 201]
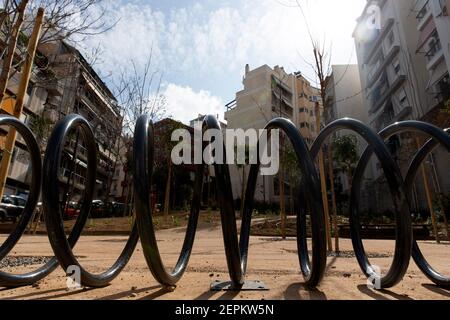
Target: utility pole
[323, 183]
[23, 86]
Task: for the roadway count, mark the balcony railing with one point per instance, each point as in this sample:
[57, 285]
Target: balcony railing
[77, 180]
[435, 48]
[372, 48]
[423, 15]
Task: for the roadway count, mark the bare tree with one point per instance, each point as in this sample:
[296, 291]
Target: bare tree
[138, 91]
[322, 68]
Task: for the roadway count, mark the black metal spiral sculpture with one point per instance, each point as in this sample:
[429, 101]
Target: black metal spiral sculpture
[236, 248]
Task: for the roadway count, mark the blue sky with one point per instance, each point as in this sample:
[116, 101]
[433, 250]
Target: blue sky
[202, 46]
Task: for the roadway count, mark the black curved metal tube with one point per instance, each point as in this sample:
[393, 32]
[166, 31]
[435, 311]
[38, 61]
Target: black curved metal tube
[438, 278]
[143, 148]
[403, 242]
[13, 280]
[438, 137]
[312, 273]
[61, 245]
[236, 248]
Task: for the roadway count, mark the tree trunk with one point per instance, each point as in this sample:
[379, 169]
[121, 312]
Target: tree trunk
[282, 204]
[8, 60]
[333, 201]
[291, 196]
[323, 182]
[167, 195]
[429, 198]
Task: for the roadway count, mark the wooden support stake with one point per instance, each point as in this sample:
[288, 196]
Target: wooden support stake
[429, 198]
[323, 183]
[23, 86]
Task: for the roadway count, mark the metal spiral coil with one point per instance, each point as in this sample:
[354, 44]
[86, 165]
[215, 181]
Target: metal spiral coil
[236, 247]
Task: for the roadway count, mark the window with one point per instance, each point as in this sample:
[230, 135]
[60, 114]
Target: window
[30, 88]
[304, 125]
[301, 110]
[403, 98]
[434, 46]
[20, 202]
[396, 66]
[423, 12]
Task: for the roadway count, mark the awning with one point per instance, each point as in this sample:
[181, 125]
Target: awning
[426, 33]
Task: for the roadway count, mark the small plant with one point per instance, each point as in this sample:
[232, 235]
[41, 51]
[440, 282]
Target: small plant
[157, 222]
[209, 217]
[175, 221]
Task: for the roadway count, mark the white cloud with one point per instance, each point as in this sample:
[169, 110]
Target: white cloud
[197, 46]
[185, 104]
[194, 37]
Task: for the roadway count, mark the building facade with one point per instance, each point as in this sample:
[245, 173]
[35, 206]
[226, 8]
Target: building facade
[63, 83]
[77, 88]
[403, 64]
[267, 94]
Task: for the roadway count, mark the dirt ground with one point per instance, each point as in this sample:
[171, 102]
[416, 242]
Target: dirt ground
[272, 261]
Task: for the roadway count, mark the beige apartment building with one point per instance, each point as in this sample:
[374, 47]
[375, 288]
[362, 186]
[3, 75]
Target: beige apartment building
[65, 83]
[19, 175]
[267, 94]
[404, 75]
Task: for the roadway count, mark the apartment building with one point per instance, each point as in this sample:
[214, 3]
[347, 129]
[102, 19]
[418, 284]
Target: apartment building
[404, 75]
[267, 94]
[433, 25]
[62, 83]
[19, 175]
[77, 88]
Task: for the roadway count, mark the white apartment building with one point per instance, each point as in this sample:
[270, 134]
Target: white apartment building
[404, 74]
[433, 25]
[267, 94]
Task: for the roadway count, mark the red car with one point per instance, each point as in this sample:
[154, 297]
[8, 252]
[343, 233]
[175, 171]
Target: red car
[72, 211]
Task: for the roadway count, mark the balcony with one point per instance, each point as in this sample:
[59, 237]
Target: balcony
[380, 96]
[434, 54]
[77, 180]
[53, 87]
[423, 16]
[378, 41]
[378, 69]
[388, 117]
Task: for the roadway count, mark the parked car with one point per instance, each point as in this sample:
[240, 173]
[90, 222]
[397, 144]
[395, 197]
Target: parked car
[98, 209]
[11, 208]
[72, 211]
[115, 209]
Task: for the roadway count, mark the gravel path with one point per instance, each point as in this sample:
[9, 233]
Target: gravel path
[23, 261]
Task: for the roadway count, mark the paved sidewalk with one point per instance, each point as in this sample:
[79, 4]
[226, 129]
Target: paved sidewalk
[271, 261]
